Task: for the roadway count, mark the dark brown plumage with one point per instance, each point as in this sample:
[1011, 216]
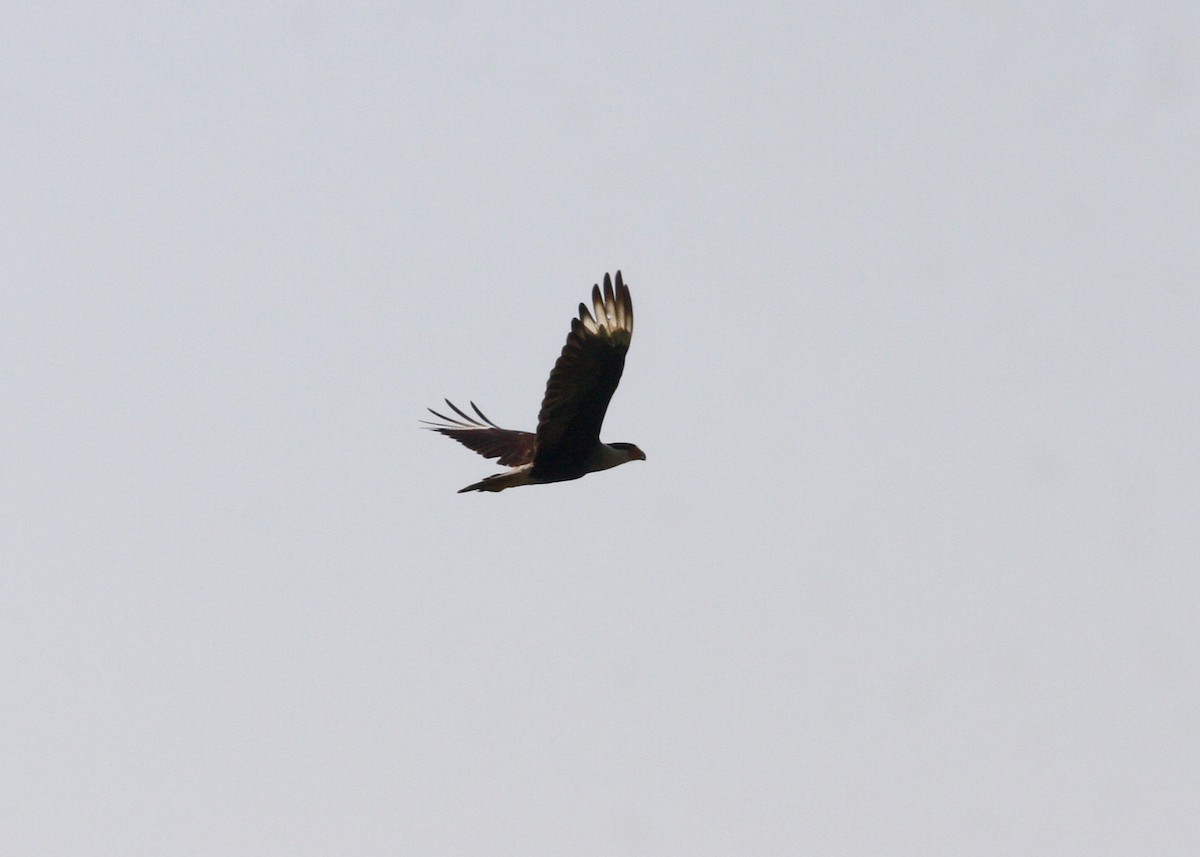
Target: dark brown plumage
[567, 443]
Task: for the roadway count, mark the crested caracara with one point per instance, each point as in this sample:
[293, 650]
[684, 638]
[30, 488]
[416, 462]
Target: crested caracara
[567, 443]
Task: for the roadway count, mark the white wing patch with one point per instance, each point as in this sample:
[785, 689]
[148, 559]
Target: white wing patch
[610, 313]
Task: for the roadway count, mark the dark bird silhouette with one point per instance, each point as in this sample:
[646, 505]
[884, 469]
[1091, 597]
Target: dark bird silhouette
[567, 442]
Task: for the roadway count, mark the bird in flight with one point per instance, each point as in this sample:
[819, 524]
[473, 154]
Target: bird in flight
[567, 443]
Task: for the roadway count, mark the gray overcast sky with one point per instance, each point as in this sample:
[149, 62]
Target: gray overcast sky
[911, 567]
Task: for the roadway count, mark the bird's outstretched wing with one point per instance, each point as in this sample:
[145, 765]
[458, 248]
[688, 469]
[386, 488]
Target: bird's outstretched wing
[586, 375]
[510, 448]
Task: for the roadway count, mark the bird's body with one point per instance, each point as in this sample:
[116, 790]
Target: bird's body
[567, 443]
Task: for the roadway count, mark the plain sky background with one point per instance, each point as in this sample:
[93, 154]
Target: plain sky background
[911, 568]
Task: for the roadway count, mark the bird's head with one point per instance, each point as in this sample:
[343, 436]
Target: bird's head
[630, 450]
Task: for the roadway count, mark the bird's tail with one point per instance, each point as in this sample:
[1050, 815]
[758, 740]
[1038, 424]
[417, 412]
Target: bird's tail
[500, 481]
